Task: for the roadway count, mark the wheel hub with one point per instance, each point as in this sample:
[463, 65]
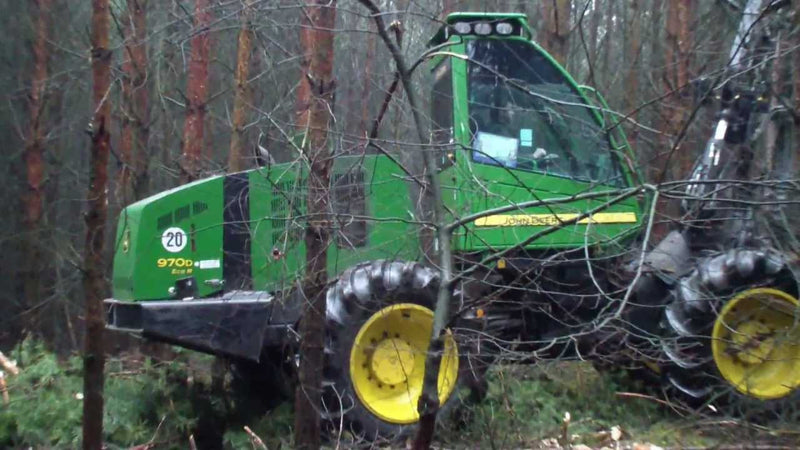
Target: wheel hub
[756, 343]
[392, 361]
[752, 342]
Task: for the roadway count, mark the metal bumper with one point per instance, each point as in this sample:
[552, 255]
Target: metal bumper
[237, 324]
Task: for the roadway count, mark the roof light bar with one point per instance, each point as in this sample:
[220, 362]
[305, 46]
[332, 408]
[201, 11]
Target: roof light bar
[483, 28]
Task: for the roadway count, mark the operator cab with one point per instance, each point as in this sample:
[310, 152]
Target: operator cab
[513, 106]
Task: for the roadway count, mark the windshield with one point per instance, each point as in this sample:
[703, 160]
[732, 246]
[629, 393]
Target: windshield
[525, 115]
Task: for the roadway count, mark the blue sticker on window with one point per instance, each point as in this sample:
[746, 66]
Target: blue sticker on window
[526, 137]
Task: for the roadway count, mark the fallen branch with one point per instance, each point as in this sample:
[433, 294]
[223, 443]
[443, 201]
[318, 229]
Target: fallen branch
[564, 438]
[152, 443]
[254, 439]
[9, 365]
[4, 388]
[148, 446]
[671, 405]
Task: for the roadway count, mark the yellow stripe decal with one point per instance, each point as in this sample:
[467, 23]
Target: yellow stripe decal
[539, 220]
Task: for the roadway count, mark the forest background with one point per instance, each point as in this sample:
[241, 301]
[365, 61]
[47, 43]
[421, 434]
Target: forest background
[195, 88]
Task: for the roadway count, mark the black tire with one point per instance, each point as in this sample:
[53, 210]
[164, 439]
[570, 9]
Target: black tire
[689, 368]
[357, 295]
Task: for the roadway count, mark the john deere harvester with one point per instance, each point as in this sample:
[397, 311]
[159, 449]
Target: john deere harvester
[554, 271]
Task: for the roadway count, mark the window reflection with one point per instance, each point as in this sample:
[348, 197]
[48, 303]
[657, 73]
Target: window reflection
[524, 114]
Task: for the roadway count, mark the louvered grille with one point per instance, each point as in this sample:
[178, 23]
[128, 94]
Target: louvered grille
[350, 209]
[288, 202]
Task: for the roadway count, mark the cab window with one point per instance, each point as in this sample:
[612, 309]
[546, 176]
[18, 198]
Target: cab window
[524, 114]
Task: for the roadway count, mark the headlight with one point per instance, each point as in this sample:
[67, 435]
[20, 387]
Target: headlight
[126, 240]
[462, 27]
[482, 29]
[504, 28]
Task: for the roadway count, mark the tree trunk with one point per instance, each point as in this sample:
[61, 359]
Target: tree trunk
[795, 65]
[236, 158]
[594, 26]
[164, 81]
[650, 156]
[684, 45]
[764, 164]
[668, 162]
[632, 77]
[93, 276]
[196, 94]
[608, 75]
[543, 33]
[555, 17]
[363, 128]
[302, 107]
[676, 77]
[34, 161]
[316, 95]
[132, 178]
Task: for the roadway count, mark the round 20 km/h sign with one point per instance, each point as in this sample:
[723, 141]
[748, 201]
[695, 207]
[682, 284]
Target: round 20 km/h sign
[173, 239]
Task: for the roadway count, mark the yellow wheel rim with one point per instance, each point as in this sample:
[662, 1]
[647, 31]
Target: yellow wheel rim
[387, 362]
[756, 343]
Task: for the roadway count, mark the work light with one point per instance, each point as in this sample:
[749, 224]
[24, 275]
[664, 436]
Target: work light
[462, 27]
[504, 28]
[482, 29]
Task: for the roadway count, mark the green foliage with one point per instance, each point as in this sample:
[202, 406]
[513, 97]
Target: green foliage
[150, 404]
[142, 402]
[44, 408]
[274, 428]
[146, 402]
[527, 404]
